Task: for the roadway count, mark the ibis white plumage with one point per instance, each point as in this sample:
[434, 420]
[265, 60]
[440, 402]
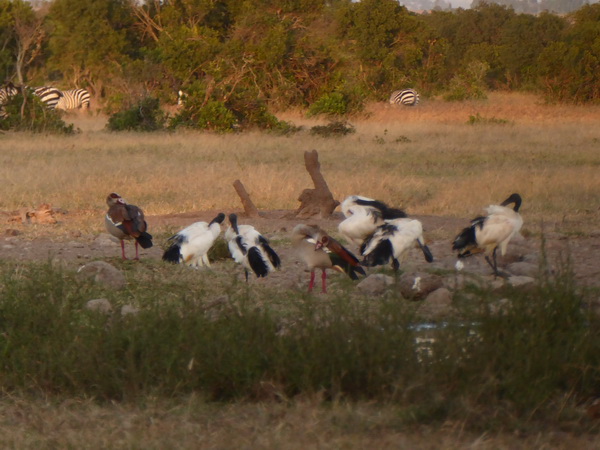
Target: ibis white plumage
[363, 216]
[392, 240]
[488, 233]
[320, 251]
[251, 249]
[191, 245]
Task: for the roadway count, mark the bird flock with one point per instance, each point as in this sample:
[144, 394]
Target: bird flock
[382, 234]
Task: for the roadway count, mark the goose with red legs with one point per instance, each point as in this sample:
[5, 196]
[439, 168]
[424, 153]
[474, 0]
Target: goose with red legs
[126, 222]
[320, 251]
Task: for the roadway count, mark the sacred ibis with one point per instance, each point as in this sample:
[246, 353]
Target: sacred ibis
[392, 240]
[250, 249]
[191, 245]
[487, 233]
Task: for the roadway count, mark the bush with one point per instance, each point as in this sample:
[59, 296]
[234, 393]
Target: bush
[334, 104]
[27, 113]
[145, 116]
[507, 357]
[332, 129]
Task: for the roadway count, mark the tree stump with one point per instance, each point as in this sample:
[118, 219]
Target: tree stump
[249, 209]
[318, 201]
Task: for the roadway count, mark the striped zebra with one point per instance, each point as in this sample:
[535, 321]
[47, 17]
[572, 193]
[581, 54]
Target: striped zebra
[406, 97]
[7, 91]
[48, 95]
[74, 99]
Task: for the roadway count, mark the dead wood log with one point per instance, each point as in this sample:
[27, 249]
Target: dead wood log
[249, 209]
[318, 201]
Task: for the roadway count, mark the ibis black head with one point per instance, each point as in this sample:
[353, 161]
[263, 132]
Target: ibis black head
[233, 222]
[514, 198]
[219, 219]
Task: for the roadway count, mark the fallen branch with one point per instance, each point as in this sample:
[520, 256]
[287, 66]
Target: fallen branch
[249, 208]
[318, 201]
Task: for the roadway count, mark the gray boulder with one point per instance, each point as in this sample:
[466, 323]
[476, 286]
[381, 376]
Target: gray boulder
[375, 284]
[104, 273]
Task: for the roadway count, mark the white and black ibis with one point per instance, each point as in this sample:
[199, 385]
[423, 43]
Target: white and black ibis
[363, 216]
[191, 245]
[251, 249]
[320, 251]
[392, 240]
[487, 233]
[125, 222]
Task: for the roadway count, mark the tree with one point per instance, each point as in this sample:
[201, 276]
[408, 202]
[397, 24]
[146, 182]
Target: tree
[90, 40]
[21, 37]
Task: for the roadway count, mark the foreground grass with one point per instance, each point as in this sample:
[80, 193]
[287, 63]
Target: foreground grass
[535, 362]
[428, 160]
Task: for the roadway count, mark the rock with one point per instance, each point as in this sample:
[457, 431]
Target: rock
[517, 281]
[438, 304]
[500, 307]
[105, 240]
[418, 285]
[127, 310]
[523, 268]
[12, 232]
[99, 304]
[375, 284]
[103, 272]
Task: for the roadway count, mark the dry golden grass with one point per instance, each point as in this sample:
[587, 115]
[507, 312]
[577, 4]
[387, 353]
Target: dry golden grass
[193, 423]
[428, 160]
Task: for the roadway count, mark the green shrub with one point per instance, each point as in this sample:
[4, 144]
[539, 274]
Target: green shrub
[27, 113]
[334, 104]
[479, 119]
[506, 357]
[333, 129]
[145, 116]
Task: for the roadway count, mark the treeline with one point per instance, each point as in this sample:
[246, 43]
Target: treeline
[246, 56]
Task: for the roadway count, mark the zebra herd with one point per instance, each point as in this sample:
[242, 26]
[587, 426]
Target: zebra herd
[52, 97]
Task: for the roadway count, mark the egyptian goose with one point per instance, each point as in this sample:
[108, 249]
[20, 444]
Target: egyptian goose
[392, 240]
[126, 221]
[487, 233]
[250, 249]
[363, 216]
[320, 251]
[191, 245]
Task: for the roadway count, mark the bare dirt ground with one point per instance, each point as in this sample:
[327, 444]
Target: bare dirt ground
[69, 241]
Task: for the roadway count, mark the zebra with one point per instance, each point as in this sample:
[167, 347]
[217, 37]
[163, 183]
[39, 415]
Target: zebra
[406, 97]
[74, 99]
[6, 92]
[48, 95]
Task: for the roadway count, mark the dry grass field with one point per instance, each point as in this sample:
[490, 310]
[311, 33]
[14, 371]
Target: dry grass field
[439, 161]
[428, 160]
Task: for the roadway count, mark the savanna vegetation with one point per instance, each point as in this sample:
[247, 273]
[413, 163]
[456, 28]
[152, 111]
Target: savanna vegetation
[206, 353]
[238, 62]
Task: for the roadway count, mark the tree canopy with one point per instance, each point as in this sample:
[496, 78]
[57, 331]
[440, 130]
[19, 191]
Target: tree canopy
[247, 56]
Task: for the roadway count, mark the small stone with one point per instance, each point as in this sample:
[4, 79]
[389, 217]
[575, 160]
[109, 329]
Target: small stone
[517, 281]
[99, 304]
[437, 304]
[523, 269]
[103, 272]
[375, 284]
[129, 310]
[416, 286]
